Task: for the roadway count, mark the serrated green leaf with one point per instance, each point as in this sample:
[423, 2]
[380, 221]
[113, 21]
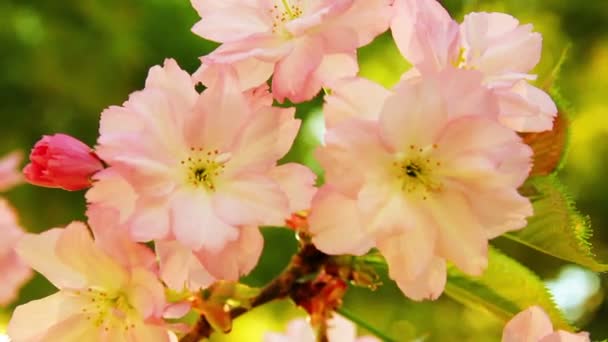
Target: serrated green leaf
[505, 289]
[556, 228]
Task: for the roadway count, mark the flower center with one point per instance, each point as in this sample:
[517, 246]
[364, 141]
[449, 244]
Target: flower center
[283, 12]
[416, 171]
[204, 166]
[108, 311]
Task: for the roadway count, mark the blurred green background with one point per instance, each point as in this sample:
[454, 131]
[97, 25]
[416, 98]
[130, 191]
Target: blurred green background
[63, 62]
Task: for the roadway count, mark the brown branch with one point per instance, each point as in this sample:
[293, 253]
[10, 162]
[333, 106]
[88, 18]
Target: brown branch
[308, 261]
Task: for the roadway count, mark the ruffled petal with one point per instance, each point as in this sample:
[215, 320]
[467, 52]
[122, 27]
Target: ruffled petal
[297, 182]
[195, 223]
[237, 258]
[180, 269]
[354, 97]
[336, 225]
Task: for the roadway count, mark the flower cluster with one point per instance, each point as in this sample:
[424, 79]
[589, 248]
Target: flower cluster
[426, 172]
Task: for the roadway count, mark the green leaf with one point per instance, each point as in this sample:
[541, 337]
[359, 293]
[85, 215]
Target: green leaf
[556, 228]
[505, 289]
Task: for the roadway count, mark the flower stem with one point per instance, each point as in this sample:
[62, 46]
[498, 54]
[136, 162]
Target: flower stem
[350, 316]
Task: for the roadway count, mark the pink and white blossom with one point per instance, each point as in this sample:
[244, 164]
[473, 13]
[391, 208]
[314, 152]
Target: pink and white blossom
[61, 161]
[533, 325]
[339, 330]
[431, 40]
[13, 271]
[200, 169]
[304, 44]
[429, 177]
[105, 293]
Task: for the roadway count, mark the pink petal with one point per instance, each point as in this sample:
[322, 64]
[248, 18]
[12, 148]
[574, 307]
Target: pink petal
[294, 72]
[425, 34]
[46, 312]
[195, 223]
[474, 147]
[237, 258]
[180, 269]
[113, 191]
[429, 285]
[499, 211]
[529, 325]
[223, 109]
[526, 108]
[251, 72]
[251, 200]
[146, 294]
[297, 182]
[39, 251]
[172, 79]
[366, 19]
[491, 39]
[353, 97]
[149, 333]
[75, 248]
[465, 94]
[461, 238]
[232, 24]
[336, 225]
[263, 47]
[409, 254]
[267, 137]
[353, 151]
[333, 67]
[151, 220]
[413, 115]
[112, 238]
[317, 14]
[564, 336]
[384, 209]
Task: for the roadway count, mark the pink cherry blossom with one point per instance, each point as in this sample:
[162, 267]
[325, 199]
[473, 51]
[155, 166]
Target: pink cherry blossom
[533, 325]
[61, 161]
[339, 330]
[9, 174]
[431, 40]
[305, 43]
[429, 177]
[13, 271]
[103, 295]
[200, 168]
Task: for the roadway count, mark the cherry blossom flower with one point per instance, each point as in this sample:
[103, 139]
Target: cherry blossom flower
[488, 42]
[533, 325]
[9, 175]
[200, 168]
[430, 176]
[13, 271]
[305, 43]
[339, 330]
[61, 161]
[103, 294]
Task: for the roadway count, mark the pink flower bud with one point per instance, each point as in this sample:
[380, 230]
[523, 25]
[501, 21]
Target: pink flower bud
[61, 161]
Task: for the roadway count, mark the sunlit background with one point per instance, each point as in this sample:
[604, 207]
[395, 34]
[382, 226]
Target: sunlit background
[63, 62]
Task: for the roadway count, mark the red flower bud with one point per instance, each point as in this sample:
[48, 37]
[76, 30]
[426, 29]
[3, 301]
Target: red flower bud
[61, 161]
